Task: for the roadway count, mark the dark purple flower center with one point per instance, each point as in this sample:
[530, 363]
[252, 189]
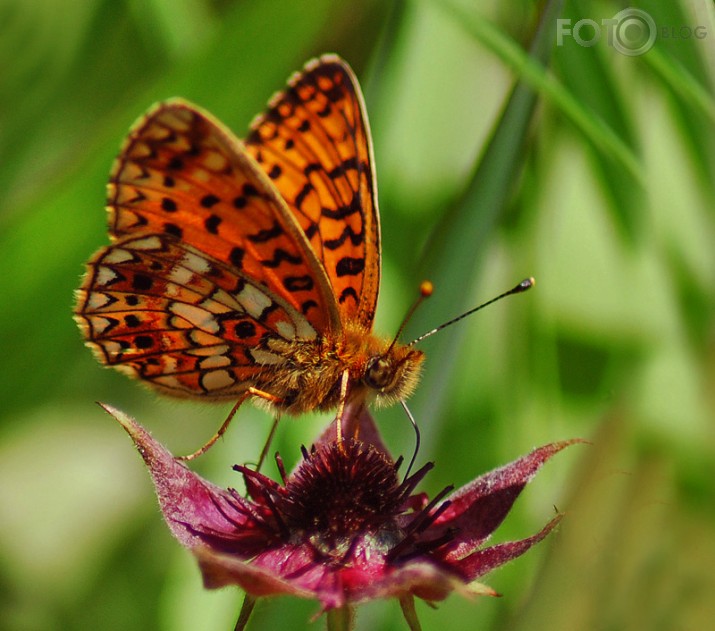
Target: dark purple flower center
[343, 500]
[342, 490]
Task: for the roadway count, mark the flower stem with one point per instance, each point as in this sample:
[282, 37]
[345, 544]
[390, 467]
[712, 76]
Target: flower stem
[342, 619]
[408, 610]
[249, 602]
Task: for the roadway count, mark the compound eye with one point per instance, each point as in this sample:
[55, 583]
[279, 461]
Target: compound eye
[378, 373]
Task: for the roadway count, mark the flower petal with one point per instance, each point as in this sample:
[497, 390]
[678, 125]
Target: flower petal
[478, 508]
[194, 509]
[420, 578]
[219, 570]
[485, 560]
[288, 569]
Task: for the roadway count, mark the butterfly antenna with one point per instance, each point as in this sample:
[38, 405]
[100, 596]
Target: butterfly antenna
[523, 286]
[426, 290]
[417, 437]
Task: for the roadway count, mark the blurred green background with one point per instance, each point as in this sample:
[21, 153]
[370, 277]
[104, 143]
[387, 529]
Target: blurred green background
[594, 175]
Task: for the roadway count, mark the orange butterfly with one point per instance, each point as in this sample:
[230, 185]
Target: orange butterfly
[249, 269]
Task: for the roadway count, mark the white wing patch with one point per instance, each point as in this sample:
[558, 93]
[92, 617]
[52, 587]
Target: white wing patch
[217, 380]
[118, 255]
[105, 275]
[266, 358]
[198, 317]
[152, 242]
[286, 330]
[253, 300]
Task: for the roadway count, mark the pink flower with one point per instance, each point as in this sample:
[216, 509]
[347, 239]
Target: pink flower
[341, 528]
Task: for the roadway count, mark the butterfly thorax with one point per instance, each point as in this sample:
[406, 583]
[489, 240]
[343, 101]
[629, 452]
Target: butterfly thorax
[378, 371]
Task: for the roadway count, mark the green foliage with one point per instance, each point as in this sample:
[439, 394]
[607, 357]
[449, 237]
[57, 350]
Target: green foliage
[499, 155]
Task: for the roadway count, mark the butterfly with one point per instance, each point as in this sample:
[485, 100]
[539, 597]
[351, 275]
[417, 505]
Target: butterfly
[249, 269]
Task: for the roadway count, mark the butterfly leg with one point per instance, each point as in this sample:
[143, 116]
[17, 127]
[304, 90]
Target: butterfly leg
[251, 392]
[269, 440]
[341, 407]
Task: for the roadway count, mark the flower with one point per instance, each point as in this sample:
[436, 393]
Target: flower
[341, 528]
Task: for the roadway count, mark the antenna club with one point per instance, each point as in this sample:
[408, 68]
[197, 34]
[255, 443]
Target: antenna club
[426, 289]
[524, 285]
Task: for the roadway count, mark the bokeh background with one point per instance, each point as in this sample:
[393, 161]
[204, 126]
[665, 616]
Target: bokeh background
[500, 155]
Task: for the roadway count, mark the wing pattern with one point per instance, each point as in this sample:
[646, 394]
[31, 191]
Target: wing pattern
[225, 256]
[314, 144]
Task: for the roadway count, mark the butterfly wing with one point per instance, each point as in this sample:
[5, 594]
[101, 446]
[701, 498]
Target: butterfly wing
[188, 325]
[209, 276]
[182, 173]
[314, 143]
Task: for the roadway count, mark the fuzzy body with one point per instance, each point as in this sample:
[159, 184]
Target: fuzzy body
[310, 376]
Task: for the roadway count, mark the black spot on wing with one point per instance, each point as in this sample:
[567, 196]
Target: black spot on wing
[143, 341]
[356, 238]
[341, 212]
[307, 305]
[141, 282]
[280, 255]
[345, 166]
[173, 229]
[245, 329]
[236, 256]
[250, 191]
[298, 283]
[212, 223]
[335, 94]
[132, 321]
[266, 235]
[349, 266]
[208, 201]
[348, 292]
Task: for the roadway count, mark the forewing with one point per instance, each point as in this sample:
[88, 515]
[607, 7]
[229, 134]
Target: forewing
[182, 173]
[314, 143]
[182, 322]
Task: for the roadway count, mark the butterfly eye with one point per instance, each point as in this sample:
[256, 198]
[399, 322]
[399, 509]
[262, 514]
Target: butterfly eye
[379, 372]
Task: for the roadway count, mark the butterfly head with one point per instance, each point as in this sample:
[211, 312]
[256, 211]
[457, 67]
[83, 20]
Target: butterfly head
[393, 374]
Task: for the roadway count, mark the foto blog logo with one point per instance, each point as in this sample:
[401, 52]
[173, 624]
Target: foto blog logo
[631, 32]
